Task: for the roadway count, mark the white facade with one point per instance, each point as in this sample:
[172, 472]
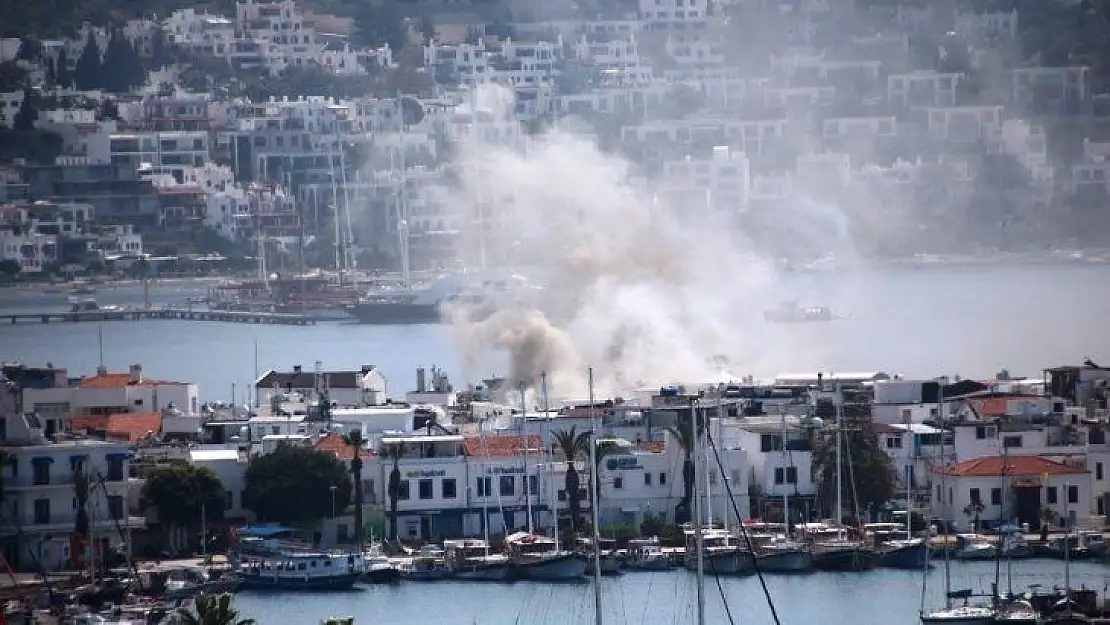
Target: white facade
[32, 250]
[230, 466]
[39, 497]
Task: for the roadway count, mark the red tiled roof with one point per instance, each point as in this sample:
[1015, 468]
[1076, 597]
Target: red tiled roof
[118, 380]
[1016, 466]
[129, 427]
[500, 446]
[334, 444]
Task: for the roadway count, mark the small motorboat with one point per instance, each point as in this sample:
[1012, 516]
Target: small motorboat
[648, 555]
[960, 615]
[1017, 612]
[792, 312]
[426, 566]
[974, 547]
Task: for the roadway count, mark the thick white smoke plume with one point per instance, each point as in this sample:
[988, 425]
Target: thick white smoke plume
[644, 293]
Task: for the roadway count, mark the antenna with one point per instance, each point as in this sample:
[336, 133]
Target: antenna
[100, 343]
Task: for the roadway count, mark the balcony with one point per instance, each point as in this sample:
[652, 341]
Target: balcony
[63, 524]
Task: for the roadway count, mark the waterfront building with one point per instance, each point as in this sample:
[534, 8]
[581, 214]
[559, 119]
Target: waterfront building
[364, 387]
[1022, 489]
[39, 516]
[34, 251]
[777, 458]
[109, 395]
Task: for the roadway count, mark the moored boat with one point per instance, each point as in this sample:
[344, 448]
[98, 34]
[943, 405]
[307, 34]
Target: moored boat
[648, 555]
[910, 553]
[960, 615]
[428, 565]
[610, 559]
[722, 554]
[974, 547]
[306, 570]
[471, 560]
[779, 554]
[791, 312]
[1016, 612]
[539, 558]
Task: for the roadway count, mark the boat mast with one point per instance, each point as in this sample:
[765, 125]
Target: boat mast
[699, 534]
[1067, 549]
[527, 443]
[839, 444]
[785, 463]
[402, 201]
[906, 475]
[338, 243]
[594, 487]
[482, 476]
[944, 492]
[708, 483]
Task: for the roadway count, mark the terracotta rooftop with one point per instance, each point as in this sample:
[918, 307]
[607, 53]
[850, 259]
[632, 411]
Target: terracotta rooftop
[334, 444]
[119, 380]
[1015, 466]
[129, 427]
[500, 446]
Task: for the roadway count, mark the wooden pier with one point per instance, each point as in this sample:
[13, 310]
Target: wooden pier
[141, 314]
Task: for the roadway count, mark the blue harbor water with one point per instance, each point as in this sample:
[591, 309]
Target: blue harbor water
[879, 597]
[971, 321]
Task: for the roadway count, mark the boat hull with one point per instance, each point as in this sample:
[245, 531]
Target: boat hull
[785, 561]
[651, 564]
[959, 616]
[483, 572]
[396, 314]
[344, 581]
[381, 575]
[560, 568]
[728, 563]
[907, 557]
[851, 559]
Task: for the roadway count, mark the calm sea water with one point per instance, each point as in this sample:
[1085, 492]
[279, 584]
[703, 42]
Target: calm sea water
[879, 597]
[971, 321]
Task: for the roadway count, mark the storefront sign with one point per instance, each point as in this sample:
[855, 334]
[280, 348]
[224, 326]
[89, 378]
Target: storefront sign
[499, 469]
[428, 473]
[623, 463]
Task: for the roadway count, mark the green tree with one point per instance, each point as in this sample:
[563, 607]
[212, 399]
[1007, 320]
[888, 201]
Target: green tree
[427, 28]
[381, 23]
[683, 432]
[108, 110]
[973, 511]
[183, 494]
[292, 485]
[27, 114]
[37, 146]
[62, 76]
[575, 446]
[161, 54]
[9, 270]
[602, 449]
[394, 452]
[355, 441]
[81, 488]
[12, 77]
[87, 72]
[30, 49]
[213, 610]
[122, 69]
[866, 477]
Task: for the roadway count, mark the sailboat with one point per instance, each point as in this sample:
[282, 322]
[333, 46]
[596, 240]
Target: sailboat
[964, 614]
[471, 559]
[911, 553]
[1064, 610]
[781, 554]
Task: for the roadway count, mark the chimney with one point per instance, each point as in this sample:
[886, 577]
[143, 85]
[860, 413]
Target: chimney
[101, 370]
[297, 369]
[366, 369]
[421, 382]
[135, 374]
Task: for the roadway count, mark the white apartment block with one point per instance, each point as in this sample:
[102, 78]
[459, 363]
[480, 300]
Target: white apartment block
[922, 88]
[963, 124]
[673, 14]
[708, 188]
[172, 149]
[32, 250]
[10, 103]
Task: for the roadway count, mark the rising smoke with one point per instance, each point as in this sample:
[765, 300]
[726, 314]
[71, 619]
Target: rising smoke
[643, 292]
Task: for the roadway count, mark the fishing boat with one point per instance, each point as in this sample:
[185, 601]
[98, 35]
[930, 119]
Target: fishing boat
[646, 554]
[611, 562]
[780, 554]
[377, 568]
[428, 565]
[471, 560]
[294, 571]
[792, 312]
[721, 552]
[1016, 612]
[960, 615]
[539, 558]
[908, 553]
[974, 547]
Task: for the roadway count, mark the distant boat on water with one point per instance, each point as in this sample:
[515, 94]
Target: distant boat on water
[792, 312]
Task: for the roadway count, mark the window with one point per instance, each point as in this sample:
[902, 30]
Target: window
[115, 469]
[507, 485]
[996, 496]
[41, 471]
[712, 478]
[984, 431]
[976, 497]
[1050, 494]
[770, 442]
[618, 483]
[115, 506]
[780, 475]
[403, 490]
[42, 511]
[229, 500]
[533, 484]
[425, 490]
[791, 475]
[662, 479]
[894, 442]
[1011, 441]
[1073, 494]
[485, 487]
[647, 479]
[1098, 470]
[448, 488]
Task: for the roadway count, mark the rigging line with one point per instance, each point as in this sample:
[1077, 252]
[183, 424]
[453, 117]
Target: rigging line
[721, 591]
[744, 532]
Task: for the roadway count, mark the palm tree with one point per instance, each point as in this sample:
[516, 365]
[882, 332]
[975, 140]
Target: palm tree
[81, 495]
[394, 451]
[354, 440]
[574, 445]
[213, 610]
[602, 449]
[684, 436]
[973, 510]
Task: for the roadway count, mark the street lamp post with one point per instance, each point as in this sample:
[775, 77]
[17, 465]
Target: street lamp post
[333, 489]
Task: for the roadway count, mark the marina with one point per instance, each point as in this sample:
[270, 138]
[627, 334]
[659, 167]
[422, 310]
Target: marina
[175, 314]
